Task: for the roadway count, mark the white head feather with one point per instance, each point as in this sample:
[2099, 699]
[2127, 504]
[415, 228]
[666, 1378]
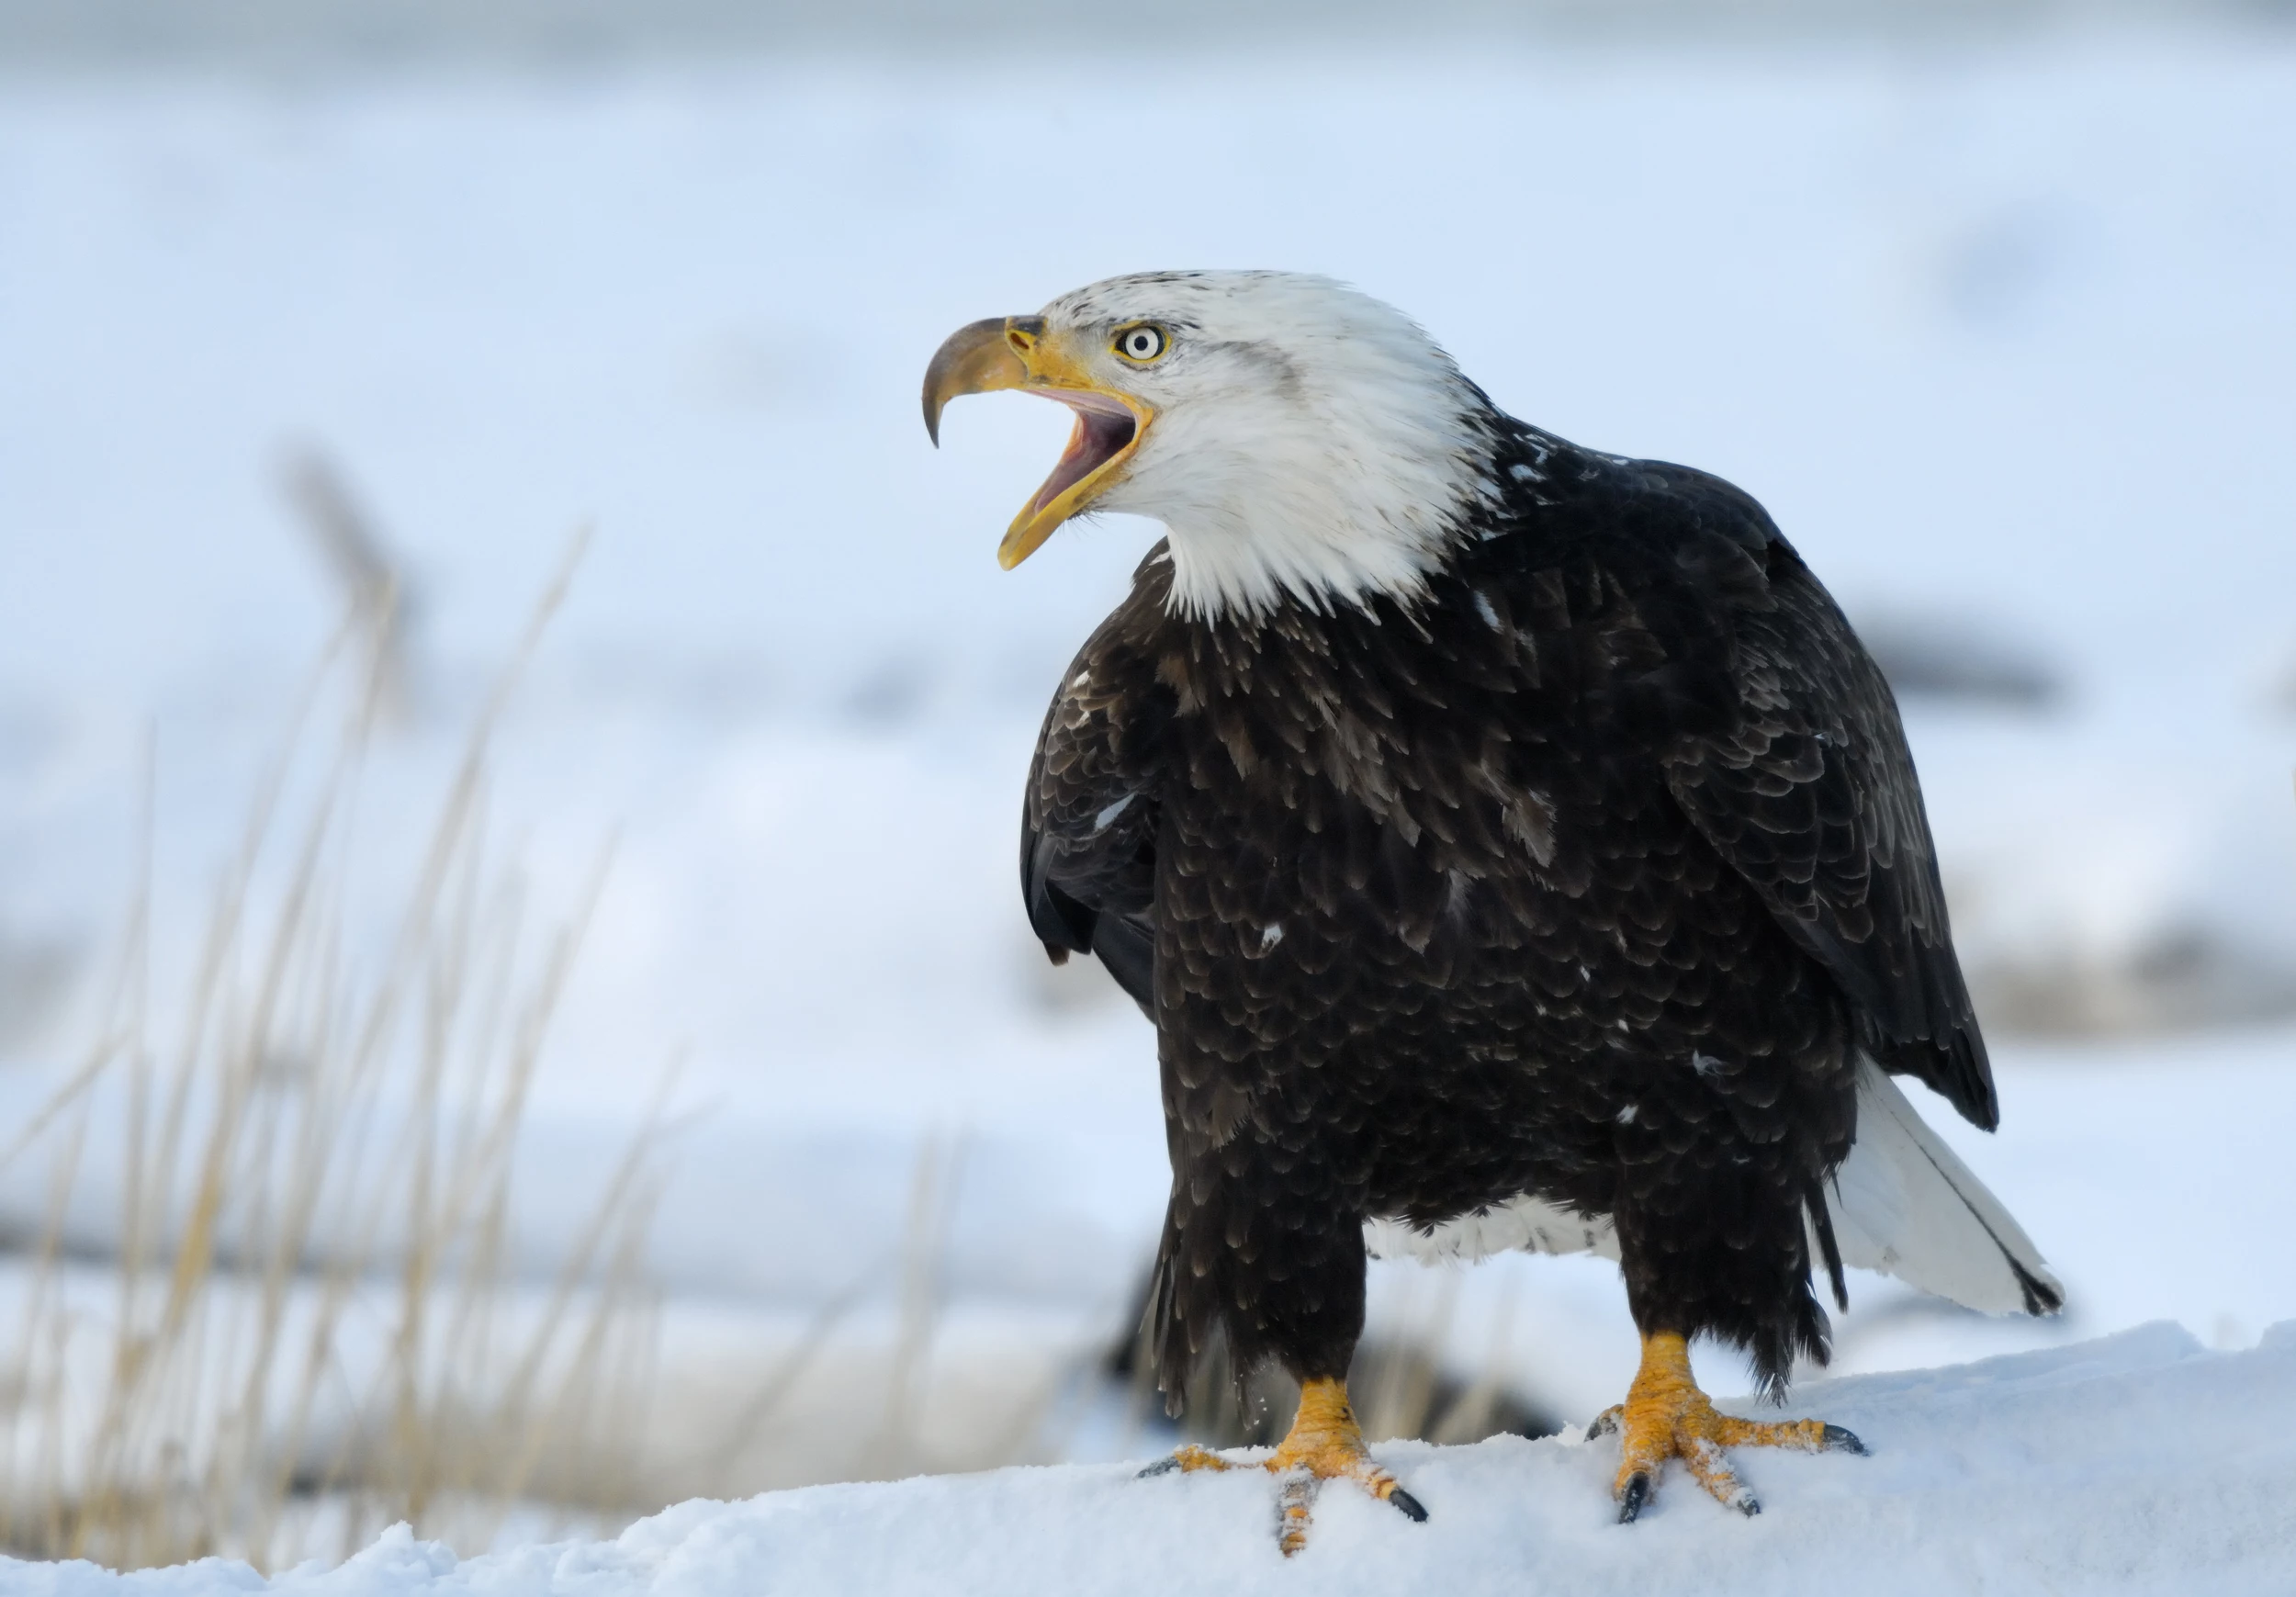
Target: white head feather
[1309, 441]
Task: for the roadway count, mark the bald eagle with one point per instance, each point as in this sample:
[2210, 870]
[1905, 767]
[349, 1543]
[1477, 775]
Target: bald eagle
[1513, 846]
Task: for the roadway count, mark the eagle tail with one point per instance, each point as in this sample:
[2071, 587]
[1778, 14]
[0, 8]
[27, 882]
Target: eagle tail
[1903, 1203]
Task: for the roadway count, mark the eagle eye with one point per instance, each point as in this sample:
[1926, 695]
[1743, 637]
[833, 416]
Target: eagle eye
[1142, 342]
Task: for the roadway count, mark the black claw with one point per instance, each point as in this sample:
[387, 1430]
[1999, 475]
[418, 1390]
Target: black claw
[1630, 1501]
[1600, 1426]
[1161, 1466]
[1838, 1440]
[1409, 1504]
[1750, 1506]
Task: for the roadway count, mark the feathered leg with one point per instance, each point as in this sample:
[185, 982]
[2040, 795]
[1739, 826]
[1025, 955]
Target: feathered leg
[1296, 1298]
[1715, 1230]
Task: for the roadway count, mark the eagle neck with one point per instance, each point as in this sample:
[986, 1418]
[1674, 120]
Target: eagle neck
[1342, 524]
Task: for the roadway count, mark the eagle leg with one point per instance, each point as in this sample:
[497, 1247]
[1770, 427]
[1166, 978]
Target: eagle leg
[1666, 1416]
[1325, 1443]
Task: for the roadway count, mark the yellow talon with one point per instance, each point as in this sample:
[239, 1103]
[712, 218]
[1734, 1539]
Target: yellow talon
[1192, 1457]
[1324, 1444]
[1666, 1416]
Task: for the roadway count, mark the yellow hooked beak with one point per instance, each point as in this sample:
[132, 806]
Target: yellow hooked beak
[1016, 352]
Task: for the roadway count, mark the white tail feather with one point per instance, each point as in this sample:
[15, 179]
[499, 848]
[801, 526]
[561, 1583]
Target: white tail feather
[1903, 1203]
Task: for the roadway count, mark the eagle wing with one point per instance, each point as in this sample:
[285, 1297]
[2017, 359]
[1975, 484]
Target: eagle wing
[1799, 775]
[1089, 819]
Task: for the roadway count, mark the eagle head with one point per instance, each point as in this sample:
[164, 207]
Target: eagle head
[1300, 439]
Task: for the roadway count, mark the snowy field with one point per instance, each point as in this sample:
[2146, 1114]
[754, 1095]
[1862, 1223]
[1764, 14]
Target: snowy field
[2137, 1464]
[2002, 334]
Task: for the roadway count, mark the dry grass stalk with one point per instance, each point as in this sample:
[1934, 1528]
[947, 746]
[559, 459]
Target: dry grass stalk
[378, 597]
[310, 1328]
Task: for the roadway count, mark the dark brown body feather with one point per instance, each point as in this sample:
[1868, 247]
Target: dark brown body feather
[1586, 875]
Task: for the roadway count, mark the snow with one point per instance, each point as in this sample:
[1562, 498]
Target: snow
[2137, 1463]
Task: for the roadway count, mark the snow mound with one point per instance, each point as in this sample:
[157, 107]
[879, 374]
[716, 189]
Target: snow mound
[2137, 1463]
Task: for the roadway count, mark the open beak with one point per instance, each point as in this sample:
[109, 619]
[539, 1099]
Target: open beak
[1015, 352]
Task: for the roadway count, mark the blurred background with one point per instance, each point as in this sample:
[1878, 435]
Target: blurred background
[513, 1004]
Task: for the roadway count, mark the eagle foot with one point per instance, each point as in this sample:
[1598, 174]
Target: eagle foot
[1325, 1443]
[1666, 1416]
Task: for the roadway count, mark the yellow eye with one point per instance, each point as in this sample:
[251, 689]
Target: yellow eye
[1142, 342]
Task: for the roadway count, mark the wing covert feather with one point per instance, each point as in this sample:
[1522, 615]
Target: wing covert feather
[1089, 819]
[1797, 769]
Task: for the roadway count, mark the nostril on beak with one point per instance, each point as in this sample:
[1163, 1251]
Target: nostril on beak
[1022, 332]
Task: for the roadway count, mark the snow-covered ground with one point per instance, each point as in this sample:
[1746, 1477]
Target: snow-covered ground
[2135, 1464]
[2000, 333]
